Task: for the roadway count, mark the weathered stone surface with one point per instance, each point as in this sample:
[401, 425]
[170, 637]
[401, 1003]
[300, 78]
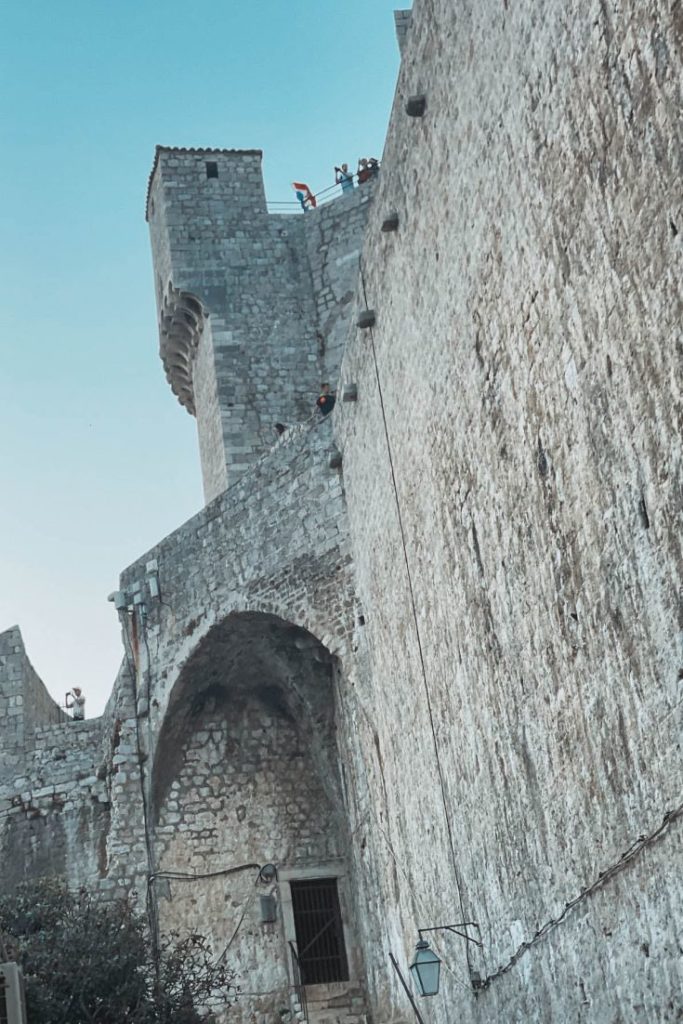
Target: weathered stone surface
[448, 673]
[528, 346]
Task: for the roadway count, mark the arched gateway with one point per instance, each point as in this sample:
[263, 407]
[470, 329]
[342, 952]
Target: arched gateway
[245, 775]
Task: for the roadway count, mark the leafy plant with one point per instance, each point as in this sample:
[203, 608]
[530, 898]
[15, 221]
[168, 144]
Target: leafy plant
[87, 961]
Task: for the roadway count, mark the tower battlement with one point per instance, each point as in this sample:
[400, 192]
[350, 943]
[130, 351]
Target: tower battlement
[249, 303]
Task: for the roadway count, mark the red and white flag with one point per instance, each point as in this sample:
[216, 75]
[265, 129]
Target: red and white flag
[304, 194]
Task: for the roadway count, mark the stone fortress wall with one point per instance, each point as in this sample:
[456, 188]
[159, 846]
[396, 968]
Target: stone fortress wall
[54, 806]
[512, 472]
[458, 652]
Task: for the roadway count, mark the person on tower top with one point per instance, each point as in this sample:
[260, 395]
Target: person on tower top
[326, 400]
[364, 171]
[344, 178]
[77, 705]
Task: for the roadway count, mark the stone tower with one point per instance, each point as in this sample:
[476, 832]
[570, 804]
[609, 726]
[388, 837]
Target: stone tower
[236, 317]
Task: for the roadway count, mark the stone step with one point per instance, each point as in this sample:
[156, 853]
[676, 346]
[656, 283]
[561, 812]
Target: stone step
[336, 1017]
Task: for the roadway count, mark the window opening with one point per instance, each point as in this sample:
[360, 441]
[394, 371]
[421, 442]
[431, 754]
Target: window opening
[211, 169]
[319, 931]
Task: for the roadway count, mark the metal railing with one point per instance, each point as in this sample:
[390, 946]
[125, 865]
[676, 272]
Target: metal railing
[321, 197]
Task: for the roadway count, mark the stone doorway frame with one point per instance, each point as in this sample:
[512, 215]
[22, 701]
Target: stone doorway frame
[325, 869]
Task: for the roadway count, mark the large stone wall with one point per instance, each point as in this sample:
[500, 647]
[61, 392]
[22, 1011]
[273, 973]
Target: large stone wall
[469, 633]
[334, 236]
[54, 802]
[522, 707]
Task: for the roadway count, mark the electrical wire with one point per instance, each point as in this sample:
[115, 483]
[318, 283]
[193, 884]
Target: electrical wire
[605, 876]
[411, 590]
[188, 877]
[245, 908]
[150, 901]
[182, 876]
[640, 844]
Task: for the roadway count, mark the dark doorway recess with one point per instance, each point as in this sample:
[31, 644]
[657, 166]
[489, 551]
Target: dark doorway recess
[319, 931]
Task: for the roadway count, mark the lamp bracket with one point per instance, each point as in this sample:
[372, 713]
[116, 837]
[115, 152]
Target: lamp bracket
[455, 929]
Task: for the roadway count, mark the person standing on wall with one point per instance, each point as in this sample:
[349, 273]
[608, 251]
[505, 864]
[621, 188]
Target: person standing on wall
[364, 172]
[77, 705]
[344, 178]
[326, 400]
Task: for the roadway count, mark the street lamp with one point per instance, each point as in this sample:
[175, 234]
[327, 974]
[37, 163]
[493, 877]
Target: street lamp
[426, 966]
[426, 969]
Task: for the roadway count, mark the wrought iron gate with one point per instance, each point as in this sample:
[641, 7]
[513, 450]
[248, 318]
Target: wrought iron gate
[319, 931]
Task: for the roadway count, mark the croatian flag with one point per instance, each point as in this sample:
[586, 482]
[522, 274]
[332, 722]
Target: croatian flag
[304, 194]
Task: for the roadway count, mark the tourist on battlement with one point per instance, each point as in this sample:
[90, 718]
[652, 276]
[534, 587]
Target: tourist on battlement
[364, 172]
[77, 705]
[326, 400]
[373, 164]
[344, 178]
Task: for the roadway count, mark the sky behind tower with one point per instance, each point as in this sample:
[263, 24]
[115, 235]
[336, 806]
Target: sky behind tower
[97, 460]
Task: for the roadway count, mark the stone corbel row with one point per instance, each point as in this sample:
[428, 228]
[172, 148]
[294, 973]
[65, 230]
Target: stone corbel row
[180, 327]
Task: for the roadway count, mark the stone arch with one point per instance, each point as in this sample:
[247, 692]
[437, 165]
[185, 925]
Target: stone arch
[259, 653]
[245, 772]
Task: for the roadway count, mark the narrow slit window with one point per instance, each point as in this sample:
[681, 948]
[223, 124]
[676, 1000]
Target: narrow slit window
[211, 169]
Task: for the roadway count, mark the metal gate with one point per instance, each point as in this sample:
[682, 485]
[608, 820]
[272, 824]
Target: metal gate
[319, 931]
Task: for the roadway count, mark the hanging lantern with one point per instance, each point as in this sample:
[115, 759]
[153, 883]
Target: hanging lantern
[425, 969]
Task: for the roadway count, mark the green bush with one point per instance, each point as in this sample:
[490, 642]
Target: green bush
[86, 961]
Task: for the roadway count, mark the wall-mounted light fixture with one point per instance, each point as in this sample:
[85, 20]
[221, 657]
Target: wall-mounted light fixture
[426, 965]
[267, 874]
[426, 969]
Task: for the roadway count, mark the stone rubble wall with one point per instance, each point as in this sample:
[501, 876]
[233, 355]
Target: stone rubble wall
[24, 703]
[528, 340]
[54, 815]
[247, 793]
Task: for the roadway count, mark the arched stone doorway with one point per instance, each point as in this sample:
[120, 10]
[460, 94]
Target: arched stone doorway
[246, 774]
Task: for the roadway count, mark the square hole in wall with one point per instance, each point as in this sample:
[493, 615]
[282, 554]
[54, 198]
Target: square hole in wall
[211, 169]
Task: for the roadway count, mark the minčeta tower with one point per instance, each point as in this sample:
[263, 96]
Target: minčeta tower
[251, 304]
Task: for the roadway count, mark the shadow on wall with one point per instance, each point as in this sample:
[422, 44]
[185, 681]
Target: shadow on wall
[253, 657]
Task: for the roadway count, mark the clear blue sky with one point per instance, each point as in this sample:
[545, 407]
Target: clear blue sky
[97, 460]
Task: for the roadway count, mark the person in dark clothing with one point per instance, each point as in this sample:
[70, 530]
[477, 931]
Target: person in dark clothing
[326, 400]
[364, 172]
